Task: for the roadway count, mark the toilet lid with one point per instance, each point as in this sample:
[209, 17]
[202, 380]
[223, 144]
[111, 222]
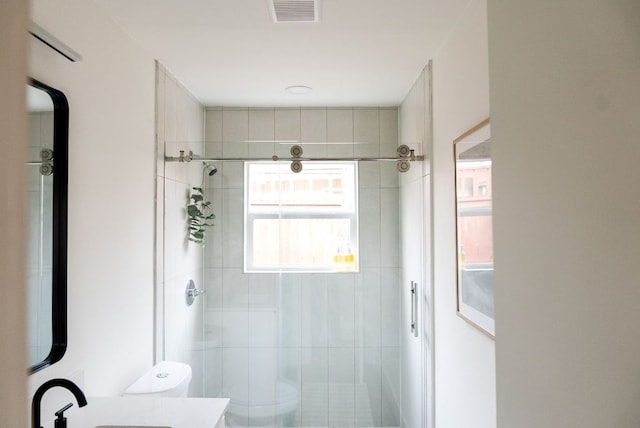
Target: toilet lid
[164, 376]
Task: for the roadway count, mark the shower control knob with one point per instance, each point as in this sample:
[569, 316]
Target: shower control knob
[191, 293]
[195, 292]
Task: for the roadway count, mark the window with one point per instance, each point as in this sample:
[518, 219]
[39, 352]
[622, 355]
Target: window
[304, 222]
[482, 188]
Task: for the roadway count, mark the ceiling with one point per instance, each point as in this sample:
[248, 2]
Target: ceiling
[232, 53]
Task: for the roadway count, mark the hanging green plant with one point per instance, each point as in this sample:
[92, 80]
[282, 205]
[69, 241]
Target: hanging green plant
[200, 216]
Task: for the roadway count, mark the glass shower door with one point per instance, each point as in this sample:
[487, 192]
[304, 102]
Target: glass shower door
[317, 346]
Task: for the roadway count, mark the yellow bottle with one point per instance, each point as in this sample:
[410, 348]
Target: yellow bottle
[350, 261]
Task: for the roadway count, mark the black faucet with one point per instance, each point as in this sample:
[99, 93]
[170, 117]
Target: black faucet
[37, 397]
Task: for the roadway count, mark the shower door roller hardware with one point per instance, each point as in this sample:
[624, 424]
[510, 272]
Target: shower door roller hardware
[46, 154]
[296, 166]
[296, 151]
[191, 293]
[46, 169]
[46, 161]
[403, 151]
[404, 165]
[414, 308]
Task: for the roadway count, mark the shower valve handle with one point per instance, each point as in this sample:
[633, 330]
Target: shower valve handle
[192, 292]
[195, 292]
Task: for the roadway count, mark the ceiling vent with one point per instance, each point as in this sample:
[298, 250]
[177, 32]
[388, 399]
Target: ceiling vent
[294, 10]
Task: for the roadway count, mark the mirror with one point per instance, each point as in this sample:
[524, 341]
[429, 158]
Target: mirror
[46, 268]
[474, 227]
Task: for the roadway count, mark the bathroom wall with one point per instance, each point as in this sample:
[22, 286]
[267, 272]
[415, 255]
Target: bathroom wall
[13, 139]
[565, 91]
[334, 336]
[111, 196]
[180, 126]
[464, 357]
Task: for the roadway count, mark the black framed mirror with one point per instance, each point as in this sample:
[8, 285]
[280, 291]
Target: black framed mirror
[47, 172]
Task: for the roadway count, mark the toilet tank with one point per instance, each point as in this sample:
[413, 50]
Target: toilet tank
[165, 379]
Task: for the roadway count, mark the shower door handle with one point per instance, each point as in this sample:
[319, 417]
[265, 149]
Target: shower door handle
[414, 308]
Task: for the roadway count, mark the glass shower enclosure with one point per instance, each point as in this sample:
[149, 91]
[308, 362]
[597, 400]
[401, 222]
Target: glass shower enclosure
[299, 319]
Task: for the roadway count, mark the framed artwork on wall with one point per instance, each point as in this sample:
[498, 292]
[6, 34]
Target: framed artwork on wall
[474, 227]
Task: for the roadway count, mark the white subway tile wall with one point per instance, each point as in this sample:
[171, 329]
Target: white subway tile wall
[179, 126]
[328, 339]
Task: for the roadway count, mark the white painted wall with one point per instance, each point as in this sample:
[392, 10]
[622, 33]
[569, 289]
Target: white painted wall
[13, 142]
[565, 91]
[464, 357]
[111, 191]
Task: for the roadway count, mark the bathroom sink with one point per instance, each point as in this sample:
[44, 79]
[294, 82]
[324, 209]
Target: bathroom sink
[131, 426]
[147, 412]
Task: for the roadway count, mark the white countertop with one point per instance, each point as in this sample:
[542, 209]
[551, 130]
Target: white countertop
[169, 412]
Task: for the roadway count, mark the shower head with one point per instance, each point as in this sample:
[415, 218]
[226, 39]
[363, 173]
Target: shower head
[210, 169]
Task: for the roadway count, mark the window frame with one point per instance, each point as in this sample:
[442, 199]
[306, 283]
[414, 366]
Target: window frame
[250, 216]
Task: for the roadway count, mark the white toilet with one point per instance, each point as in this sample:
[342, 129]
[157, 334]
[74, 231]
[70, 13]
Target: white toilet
[261, 413]
[165, 379]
